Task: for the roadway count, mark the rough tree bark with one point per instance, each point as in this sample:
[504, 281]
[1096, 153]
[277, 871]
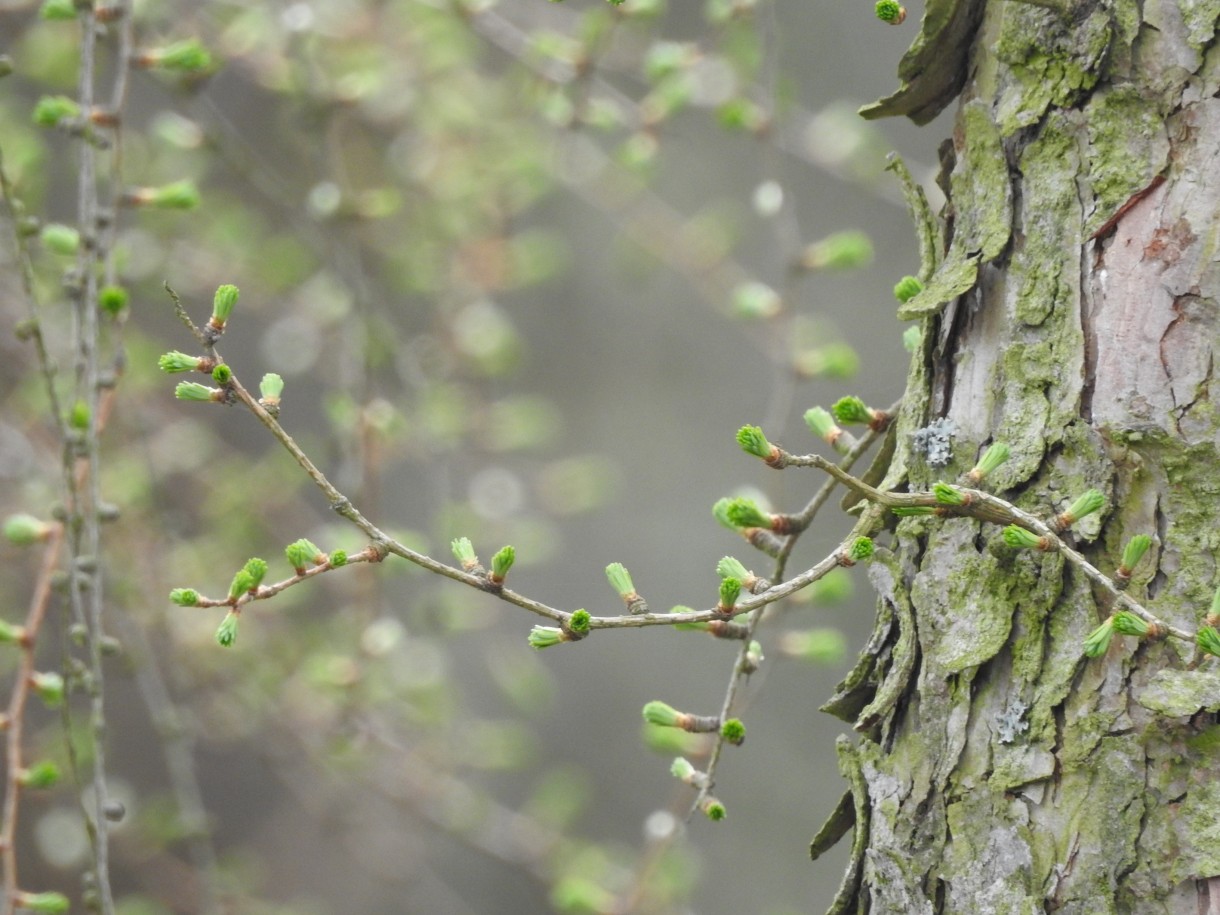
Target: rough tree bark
[1074, 316]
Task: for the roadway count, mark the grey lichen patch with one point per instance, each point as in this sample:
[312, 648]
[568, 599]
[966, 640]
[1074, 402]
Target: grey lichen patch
[1182, 692]
[1128, 147]
[1045, 261]
[1011, 722]
[934, 442]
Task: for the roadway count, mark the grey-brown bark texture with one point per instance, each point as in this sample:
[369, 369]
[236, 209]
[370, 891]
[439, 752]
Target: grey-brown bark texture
[1073, 315]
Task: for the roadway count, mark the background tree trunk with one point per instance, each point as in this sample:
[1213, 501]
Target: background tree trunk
[1074, 317]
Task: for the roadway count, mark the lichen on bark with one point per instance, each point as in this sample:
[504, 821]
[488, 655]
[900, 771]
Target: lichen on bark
[1076, 317]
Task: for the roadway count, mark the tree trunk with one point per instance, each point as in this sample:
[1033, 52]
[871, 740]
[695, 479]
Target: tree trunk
[1074, 317]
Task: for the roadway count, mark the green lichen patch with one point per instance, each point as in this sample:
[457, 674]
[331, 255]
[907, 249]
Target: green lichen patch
[1103, 824]
[1199, 17]
[1198, 830]
[1128, 147]
[1052, 61]
[1045, 265]
[963, 599]
[1182, 692]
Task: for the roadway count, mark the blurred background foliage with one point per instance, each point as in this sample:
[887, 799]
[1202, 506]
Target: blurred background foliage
[525, 268]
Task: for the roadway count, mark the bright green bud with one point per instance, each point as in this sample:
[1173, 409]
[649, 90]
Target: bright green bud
[1208, 639]
[463, 552]
[50, 688]
[662, 715]
[822, 646]
[729, 567]
[1098, 640]
[890, 11]
[912, 338]
[52, 110]
[184, 597]
[1020, 538]
[822, 424]
[948, 495]
[57, 10]
[242, 582]
[178, 362]
[752, 441]
[908, 287]
[256, 568]
[733, 731]
[756, 300]
[10, 634]
[78, 417]
[1134, 551]
[186, 56]
[60, 239]
[849, 410]
[1127, 623]
[338, 559]
[620, 580]
[910, 511]
[222, 374]
[226, 633]
[730, 590]
[112, 299]
[502, 562]
[746, 513]
[223, 303]
[40, 775]
[44, 903]
[24, 530]
[579, 622]
[1084, 505]
[861, 549]
[271, 387]
[302, 554]
[995, 455]
[180, 195]
[721, 512]
[193, 390]
[713, 809]
[842, 250]
[546, 636]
